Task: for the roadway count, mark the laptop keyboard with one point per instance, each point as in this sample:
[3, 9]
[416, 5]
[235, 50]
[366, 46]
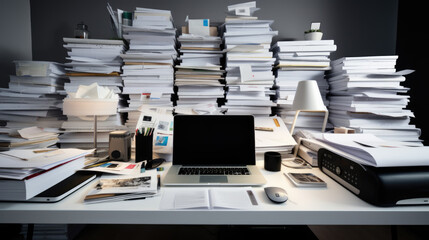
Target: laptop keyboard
[214, 171]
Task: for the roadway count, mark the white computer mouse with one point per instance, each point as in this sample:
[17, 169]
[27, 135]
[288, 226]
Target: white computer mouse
[276, 194]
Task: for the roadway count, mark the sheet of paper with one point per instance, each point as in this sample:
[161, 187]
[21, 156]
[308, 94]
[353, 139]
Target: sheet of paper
[199, 27]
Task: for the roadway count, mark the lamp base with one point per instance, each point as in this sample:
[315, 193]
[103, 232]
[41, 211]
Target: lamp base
[98, 156]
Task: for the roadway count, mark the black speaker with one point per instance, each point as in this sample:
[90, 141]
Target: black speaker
[120, 146]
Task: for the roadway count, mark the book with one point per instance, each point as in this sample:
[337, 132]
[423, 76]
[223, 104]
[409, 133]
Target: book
[213, 198]
[20, 190]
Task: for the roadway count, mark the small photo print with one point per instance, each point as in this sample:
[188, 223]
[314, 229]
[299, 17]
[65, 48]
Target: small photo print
[128, 182]
[161, 141]
[163, 125]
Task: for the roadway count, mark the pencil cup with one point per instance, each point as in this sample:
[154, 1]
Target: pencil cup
[272, 161]
[144, 146]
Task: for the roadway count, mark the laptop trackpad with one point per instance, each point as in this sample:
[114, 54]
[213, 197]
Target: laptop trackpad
[213, 179]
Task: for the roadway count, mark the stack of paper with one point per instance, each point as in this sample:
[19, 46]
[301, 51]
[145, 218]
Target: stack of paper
[249, 62]
[199, 75]
[31, 137]
[271, 134]
[33, 97]
[365, 97]
[28, 172]
[298, 61]
[148, 73]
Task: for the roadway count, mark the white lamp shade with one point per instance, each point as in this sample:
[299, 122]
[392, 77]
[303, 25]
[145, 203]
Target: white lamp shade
[89, 107]
[307, 97]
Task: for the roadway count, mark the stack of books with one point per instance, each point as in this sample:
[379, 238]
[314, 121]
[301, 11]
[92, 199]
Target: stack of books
[366, 94]
[92, 61]
[249, 62]
[33, 97]
[199, 75]
[28, 172]
[298, 61]
[148, 73]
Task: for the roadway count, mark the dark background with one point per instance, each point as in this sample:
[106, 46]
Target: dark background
[359, 28]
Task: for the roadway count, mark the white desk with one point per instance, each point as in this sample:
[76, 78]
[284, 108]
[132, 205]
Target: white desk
[333, 205]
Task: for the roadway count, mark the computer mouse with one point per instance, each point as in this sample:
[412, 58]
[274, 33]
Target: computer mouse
[276, 194]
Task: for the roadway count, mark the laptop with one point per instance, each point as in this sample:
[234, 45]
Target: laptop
[214, 150]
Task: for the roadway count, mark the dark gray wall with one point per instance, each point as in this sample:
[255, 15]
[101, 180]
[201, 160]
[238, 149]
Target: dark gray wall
[15, 40]
[359, 28]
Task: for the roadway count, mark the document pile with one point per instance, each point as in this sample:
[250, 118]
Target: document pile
[249, 62]
[298, 61]
[364, 96]
[370, 150]
[271, 134]
[31, 137]
[79, 130]
[199, 75]
[124, 187]
[25, 173]
[33, 96]
[148, 73]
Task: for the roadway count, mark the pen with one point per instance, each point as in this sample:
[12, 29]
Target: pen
[276, 122]
[44, 150]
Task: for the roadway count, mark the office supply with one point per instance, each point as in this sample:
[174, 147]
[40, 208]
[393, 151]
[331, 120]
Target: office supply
[120, 145]
[305, 179]
[212, 147]
[380, 186]
[308, 99]
[64, 188]
[125, 187]
[272, 161]
[296, 163]
[276, 194]
[144, 144]
[212, 198]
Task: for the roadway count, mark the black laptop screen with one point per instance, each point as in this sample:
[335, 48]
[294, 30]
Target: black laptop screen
[213, 140]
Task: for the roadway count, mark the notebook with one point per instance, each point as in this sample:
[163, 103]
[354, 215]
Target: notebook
[214, 150]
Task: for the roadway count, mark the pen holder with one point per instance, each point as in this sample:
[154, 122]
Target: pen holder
[144, 146]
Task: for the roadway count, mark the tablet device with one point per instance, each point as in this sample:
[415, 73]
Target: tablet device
[64, 188]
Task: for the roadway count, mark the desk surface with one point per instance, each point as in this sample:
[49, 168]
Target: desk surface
[333, 205]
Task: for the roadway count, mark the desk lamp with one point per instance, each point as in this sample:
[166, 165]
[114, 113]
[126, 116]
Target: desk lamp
[90, 109]
[308, 99]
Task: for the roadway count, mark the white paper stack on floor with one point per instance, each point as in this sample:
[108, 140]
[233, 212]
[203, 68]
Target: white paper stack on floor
[298, 61]
[33, 97]
[249, 62]
[199, 75]
[148, 73]
[364, 96]
[92, 61]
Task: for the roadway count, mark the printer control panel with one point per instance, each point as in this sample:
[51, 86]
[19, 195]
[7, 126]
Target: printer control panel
[342, 170]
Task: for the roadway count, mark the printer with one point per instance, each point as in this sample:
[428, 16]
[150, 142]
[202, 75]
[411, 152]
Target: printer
[380, 186]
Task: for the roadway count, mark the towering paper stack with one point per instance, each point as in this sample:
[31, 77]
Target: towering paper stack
[199, 75]
[148, 73]
[364, 96]
[33, 97]
[249, 62]
[92, 61]
[298, 61]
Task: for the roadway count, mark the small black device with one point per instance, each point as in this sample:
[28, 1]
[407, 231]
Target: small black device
[120, 146]
[276, 194]
[380, 186]
[64, 188]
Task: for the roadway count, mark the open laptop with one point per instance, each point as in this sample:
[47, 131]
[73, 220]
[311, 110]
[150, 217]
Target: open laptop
[214, 150]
